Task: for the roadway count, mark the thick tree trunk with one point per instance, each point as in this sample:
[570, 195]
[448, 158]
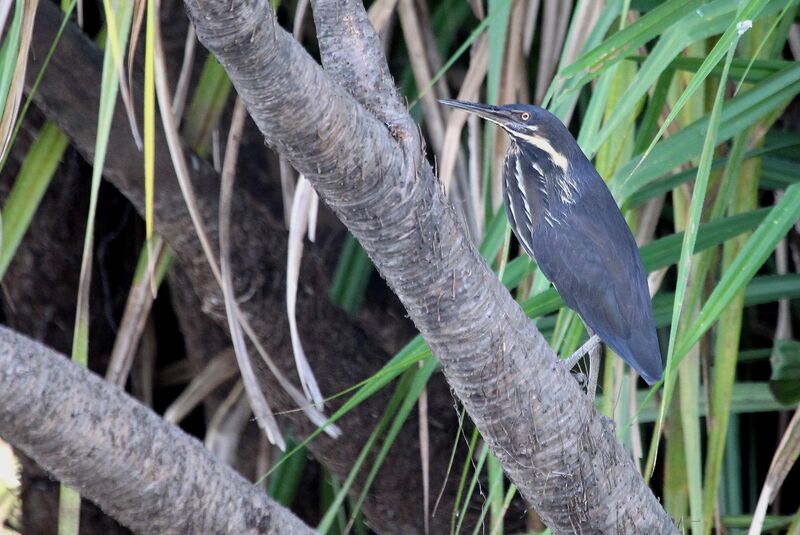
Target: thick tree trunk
[68, 94]
[147, 474]
[559, 452]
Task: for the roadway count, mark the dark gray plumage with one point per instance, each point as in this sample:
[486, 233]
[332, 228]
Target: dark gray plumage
[566, 219]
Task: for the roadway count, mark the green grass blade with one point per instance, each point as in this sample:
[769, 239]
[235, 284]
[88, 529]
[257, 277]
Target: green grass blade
[747, 398]
[749, 11]
[32, 181]
[44, 63]
[777, 173]
[759, 68]
[8, 53]
[689, 402]
[418, 382]
[625, 42]
[352, 274]
[739, 113]
[332, 512]
[731, 35]
[474, 34]
[481, 460]
[80, 341]
[753, 255]
[684, 269]
[286, 480]
[716, 18]
[329, 488]
[759, 290]
[69, 510]
[462, 481]
[764, 40]
[149, 115]
[567, 93]
[499, 14]
[495, 497]
[652, 114]
[208, 102]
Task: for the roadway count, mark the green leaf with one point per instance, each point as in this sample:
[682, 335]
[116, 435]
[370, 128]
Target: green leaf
[739, 113]
[759, 290]
[759, 68]
[495, 235]
[665, 251]
[777, 169]
[285, 481]
[753, 255]
[353, 272]
[693, 224]
[208, 102]
[784, 383]
[748, 398]
[625, 42]
[8, 54]
[567, 97]
[711, 19]
[419, 380]
[474, 34]
[334, 508]
[32, 181]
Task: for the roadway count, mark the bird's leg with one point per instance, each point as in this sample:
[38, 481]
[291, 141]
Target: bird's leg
[594, 369]
[592, 348]
[588, 346]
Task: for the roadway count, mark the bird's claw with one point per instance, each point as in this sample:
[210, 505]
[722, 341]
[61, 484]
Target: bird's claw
[582, 379]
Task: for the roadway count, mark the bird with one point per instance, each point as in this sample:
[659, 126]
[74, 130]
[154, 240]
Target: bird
[566, 219]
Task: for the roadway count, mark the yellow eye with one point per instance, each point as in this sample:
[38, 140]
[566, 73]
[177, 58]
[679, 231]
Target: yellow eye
[525, 115]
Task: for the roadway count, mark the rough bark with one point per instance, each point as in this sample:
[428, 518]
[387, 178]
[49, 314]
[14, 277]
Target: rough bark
[47, 258]
[144, 472]
[559, 452]
[353, 56]
[69, 95]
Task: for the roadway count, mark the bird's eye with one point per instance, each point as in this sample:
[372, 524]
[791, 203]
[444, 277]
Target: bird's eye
[525, 115]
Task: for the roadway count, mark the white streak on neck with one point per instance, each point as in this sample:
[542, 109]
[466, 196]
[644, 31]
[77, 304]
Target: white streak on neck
[521, 185]
[559, 160]
[527, 224]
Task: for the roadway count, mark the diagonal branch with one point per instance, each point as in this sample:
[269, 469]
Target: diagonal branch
[559, 452]
[352, 54]
[183, 488]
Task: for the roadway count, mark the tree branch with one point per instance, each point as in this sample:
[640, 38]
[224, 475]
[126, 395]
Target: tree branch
[352, 54]
[68, 95]
[145, 473]
[559, 452]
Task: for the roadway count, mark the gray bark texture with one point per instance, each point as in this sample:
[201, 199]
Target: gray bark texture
[147, 474]
[68, 94]
[559, 452]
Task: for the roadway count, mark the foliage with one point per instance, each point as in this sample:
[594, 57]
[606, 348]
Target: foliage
[680, 105]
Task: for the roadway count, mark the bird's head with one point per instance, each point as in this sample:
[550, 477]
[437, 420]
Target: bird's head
[526, 124]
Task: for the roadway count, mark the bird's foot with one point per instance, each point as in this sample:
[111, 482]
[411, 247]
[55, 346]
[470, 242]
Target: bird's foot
[582, 380]
[591, 347]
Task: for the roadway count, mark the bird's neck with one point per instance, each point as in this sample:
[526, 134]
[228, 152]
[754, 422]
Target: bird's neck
[557, 186]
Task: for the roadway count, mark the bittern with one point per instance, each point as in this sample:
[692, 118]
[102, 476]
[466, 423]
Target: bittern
[566, 219]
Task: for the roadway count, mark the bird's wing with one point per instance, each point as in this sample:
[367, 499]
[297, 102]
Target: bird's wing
[592, 262]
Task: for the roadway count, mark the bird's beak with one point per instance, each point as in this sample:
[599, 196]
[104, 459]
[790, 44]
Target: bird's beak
[496, 114]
